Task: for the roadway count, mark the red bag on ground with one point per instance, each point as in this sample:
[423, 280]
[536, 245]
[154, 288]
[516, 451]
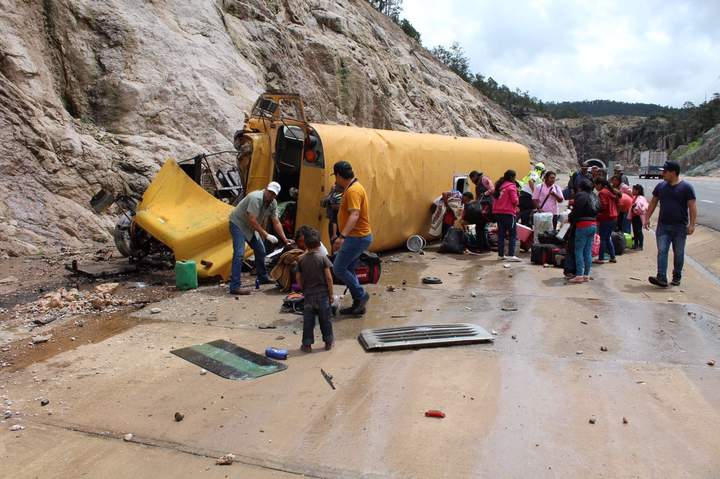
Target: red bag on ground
[596, 245]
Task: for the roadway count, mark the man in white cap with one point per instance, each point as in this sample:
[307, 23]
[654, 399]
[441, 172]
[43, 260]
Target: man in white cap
[247, 224]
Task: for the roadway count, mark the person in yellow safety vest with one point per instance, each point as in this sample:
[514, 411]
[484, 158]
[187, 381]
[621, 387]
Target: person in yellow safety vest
[528, 187]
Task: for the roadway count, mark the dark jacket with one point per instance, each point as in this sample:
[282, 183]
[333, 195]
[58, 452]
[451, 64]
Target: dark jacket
[585, 207]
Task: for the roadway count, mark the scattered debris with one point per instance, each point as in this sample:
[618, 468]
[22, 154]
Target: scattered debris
[266, 326]
[473, 294]
[670, 300]
[404, 282]
[493, 332]
[16, 427]
[225, 460]
[578, 353]
[41, 339]
[508, 308]
[506, 266]
[390, 288]
[435, 413]
[596, 316]
[155, 310]
[398, 316]
[431, 280]
[8, 280]
[394, 259]
[603, 348]
[179, 416]
[513, 336]
[279, 338]
[328, 378]
[592, 420]
[423, 335]
[583, 322]
[711, 362]
[128, 437]
[625, 420]
[635, 279]
[44, 402]
[7, 414]
[107, 288]
[203, 372]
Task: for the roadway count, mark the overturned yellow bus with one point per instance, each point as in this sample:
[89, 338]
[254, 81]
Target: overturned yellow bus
[403, 173]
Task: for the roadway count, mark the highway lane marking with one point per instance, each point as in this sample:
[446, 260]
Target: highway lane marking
[707, 201]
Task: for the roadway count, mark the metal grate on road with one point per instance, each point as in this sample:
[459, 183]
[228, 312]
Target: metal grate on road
[426, 335]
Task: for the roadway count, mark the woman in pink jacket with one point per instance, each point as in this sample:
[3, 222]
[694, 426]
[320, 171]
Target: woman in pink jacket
[505, 208]
[637, 215]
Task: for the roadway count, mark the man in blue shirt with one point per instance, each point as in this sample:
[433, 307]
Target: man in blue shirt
[678, 213]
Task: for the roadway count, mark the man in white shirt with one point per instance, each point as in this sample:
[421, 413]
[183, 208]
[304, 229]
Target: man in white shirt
[548, 196]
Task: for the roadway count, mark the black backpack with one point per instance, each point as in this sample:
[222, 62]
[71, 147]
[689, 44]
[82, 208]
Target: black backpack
[453, 242]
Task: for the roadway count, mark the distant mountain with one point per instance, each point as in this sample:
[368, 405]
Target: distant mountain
[574, 109]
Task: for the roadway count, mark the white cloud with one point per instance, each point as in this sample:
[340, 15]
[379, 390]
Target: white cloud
[644, 50]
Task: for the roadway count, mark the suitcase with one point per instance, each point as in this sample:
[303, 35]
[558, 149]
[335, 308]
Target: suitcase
[367, 269]
[543, 253]
[618, 241]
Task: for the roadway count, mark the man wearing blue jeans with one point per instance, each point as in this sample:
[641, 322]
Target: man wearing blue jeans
[354, 237]
[247, 224]
[678, 213]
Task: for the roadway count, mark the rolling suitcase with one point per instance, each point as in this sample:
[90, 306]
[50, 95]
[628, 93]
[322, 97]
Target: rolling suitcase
[543, 253]
[618, 240]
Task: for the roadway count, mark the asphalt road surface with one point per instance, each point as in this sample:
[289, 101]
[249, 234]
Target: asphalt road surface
[708, 197]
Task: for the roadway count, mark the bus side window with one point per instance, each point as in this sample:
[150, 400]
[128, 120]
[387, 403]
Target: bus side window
[460, 183]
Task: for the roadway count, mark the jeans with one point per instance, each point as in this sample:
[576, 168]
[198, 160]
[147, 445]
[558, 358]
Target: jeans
[606, 229]
[239, 252]
[346, 260]
[623, 223]
[317, 305]
[666, 235]
[638, 237]
[506, 226]
[583, 250]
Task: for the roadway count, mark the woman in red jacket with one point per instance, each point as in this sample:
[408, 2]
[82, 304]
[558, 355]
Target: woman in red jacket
[607, 218]
[505, 208]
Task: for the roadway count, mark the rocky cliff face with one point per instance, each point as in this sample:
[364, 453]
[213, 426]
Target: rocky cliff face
[101, 93]
[703, 157]
[617, 138]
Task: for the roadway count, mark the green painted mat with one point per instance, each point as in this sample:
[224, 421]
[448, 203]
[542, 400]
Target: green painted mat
[228, 360]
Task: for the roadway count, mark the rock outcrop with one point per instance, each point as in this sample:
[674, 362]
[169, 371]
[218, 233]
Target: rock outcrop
[101, 93]
[702, 158]
[617, 138]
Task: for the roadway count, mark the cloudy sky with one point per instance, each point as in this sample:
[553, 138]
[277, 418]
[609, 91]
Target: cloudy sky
[654, 51]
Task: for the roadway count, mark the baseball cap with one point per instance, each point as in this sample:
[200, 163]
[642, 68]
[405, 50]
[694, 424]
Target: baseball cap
[540, 165]
[671, 166]
[343, 169]
[275, 187]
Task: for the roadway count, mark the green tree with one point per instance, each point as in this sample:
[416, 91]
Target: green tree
[391, 8]
[410, 30]
[455, 59]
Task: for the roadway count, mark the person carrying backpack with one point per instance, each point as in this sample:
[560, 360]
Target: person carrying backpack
[583, 220]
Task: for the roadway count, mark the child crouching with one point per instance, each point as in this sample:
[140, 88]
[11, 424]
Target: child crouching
[315, 279]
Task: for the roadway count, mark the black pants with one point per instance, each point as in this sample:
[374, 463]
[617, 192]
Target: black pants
[637, 226]
[317, 305]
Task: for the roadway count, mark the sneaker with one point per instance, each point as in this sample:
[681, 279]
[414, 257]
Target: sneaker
[513, 259]
[658, 281]
[349, 310]
[501, 258]
[613, 260]
[328, 346]
[577, 280]
[306, 348]
[363, 301]
[241, 291]
[675, 282]
[267, 281]
[599, 261]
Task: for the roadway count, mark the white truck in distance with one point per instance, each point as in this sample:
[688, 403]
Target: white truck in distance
[651, 163]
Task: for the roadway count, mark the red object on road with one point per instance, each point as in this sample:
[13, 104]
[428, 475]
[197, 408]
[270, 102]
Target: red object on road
[435, 413]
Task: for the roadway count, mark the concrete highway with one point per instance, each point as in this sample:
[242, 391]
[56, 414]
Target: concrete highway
[707, 191]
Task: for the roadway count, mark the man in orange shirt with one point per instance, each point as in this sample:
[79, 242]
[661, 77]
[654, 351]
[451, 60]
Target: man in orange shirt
[354, 237]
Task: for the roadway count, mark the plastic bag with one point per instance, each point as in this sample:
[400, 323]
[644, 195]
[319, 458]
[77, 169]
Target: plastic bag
[542, 222]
